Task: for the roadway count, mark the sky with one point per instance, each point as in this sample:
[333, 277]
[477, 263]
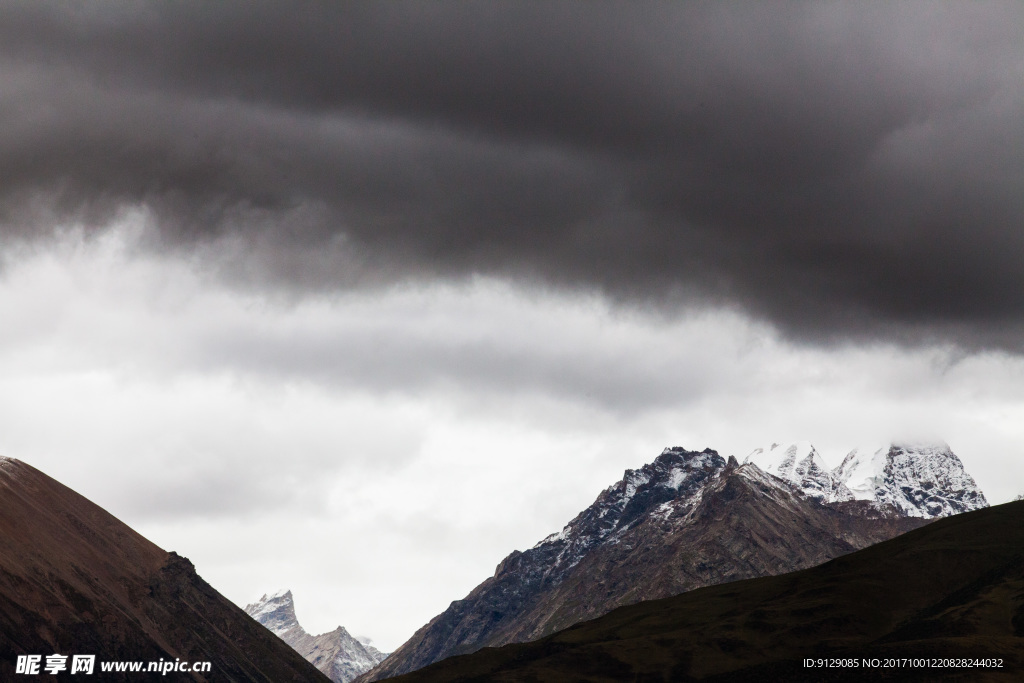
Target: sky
[355, 300]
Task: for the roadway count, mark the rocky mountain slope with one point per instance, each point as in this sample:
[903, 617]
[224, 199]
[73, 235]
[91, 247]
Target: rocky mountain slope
[950, 595]
[337, 654]
[920, 480]
[688, 519]
[76, 580]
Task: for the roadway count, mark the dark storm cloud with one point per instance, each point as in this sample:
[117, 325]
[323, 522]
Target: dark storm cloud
[833, 167]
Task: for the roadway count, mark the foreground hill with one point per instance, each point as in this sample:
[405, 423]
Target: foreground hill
[686, 520]
[952, 589]
[76, 580]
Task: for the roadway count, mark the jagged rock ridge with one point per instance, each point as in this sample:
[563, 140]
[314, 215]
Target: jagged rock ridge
[337, 654]
[802, 465]
[686, 520]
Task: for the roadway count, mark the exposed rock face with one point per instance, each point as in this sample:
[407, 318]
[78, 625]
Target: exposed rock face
[688, 519]
[340, 656]
[801, 465]
[920, 480]
[76, 580]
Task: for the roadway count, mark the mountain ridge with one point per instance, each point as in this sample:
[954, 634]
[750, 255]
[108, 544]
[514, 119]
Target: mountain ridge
[802, 465]
[668, 527]
[920, 479]
[339, 655]
[950, 591]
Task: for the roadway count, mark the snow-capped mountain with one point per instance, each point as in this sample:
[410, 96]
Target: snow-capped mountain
[686, 520]
[275, 611]
[666, 486]
[692, 519]
[337, 654]
[802, 465]
[919, 480]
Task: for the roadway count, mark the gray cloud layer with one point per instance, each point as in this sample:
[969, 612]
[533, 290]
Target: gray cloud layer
[837, 168]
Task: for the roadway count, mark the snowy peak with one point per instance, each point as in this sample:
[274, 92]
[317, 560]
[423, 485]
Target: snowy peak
[782, 460]
[337, 654]
[801, 465]
[673, 479]
[919, 479]
[275, 611]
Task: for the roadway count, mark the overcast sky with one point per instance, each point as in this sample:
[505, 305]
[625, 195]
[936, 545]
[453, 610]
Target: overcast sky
[357, 298]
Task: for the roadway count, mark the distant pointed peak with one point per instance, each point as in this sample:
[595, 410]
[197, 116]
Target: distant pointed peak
[339, 631]
[276, 611]
[277, 599]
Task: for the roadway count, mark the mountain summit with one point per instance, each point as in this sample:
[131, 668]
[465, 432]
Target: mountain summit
[919, 480]
[686, 520]
[275, 611]
[337, 654]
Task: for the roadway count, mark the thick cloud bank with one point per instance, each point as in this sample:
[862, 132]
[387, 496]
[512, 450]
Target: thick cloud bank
[840, 169]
